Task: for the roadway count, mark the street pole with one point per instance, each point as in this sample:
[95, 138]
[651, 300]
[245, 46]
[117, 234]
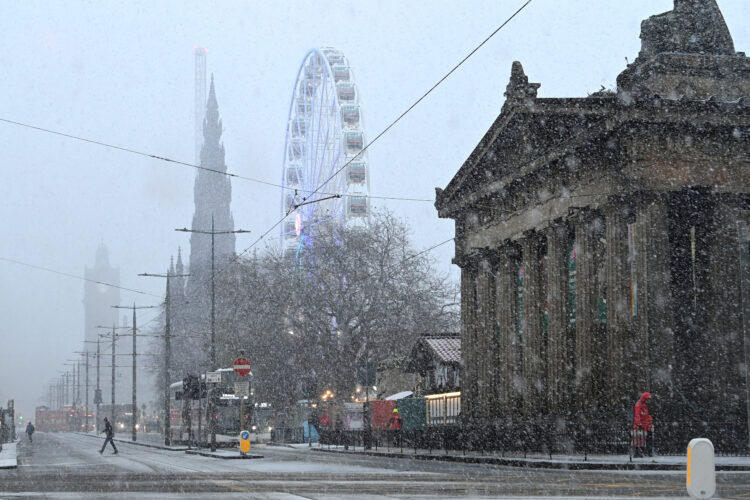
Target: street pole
[87, 392]
[167, 351]
[135, 405]
[134, 420]
[78, 396]
[98, 397]
[167, 355]
[213, 298]
[210, 410]
[114, 338]
[212, 350]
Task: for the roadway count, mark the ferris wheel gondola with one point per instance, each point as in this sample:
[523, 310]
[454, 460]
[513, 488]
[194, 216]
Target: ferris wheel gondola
[324, 133]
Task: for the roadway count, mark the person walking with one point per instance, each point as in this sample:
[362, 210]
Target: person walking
[110, 433]
[643, 427]
[30, 430]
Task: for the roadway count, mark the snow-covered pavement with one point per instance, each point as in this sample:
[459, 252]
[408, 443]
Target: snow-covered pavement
[8, 456]
[70, 466]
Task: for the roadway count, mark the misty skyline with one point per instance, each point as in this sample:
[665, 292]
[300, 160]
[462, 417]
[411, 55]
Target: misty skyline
[122, 73]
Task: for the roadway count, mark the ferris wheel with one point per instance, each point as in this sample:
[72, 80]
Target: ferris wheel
[324, 132]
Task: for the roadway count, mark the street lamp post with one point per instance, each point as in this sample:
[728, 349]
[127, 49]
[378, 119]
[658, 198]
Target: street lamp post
[135, 404]
[86, 354]
[97, 392]
[167, 351]
[114, 336]
[214, 366]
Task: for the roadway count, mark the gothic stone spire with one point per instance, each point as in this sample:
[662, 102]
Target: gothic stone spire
[213, 197]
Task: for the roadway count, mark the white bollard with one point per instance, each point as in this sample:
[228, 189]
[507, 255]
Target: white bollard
[701, 473]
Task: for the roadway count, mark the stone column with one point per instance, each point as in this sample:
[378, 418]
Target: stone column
[620, 341]
[534, 380]
[484, 338]
[559, 355]
[726, 350]
[586, 310]
[468, 337]
[507, 318]
[654, 336]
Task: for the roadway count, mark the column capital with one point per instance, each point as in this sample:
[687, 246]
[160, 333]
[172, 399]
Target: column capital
[617, 206]
[468, 260]
[510, 249]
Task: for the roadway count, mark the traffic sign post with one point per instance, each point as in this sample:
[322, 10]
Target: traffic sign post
[244, 441]
[242, 368]
[242, 389]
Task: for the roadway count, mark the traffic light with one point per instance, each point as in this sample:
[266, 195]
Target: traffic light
[191, 387]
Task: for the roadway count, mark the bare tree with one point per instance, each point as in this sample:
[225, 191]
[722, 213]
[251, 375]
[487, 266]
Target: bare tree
[355, 296]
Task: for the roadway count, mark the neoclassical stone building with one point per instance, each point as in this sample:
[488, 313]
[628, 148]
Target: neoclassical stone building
[603, 242]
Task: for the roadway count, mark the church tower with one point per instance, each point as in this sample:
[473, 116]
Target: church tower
[99, 298]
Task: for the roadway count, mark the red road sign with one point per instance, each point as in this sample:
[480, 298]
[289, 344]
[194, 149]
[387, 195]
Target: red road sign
[241, 366]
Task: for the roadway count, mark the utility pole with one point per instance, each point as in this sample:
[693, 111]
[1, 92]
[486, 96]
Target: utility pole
[70, 386]
[98, 393]
[135, 404]
[114, 339]
[87, 354]
[167, 352]
[75, 391]
[87, 392]
[214, 366]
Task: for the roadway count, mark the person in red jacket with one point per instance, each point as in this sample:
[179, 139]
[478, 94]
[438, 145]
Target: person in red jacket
[642, 426]
[395, 422]
[394, 425]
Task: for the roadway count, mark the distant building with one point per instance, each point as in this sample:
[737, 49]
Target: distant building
[392, 377]
[437, 361]
[191, 296]
[99, 296]
[101, 291]
[603, 244]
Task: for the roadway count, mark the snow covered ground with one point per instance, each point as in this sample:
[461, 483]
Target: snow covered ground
[8, 456]
[64, 465]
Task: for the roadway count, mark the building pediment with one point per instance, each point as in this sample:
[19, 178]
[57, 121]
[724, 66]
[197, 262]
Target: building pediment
[523, 132]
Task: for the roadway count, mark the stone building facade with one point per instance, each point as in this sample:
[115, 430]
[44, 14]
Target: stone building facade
[603, 243]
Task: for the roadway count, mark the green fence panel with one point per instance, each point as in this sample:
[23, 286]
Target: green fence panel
[413, 413]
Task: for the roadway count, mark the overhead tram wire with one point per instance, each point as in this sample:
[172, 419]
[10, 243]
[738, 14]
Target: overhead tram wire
[134, 151]
[394, 122]
[275, 225]
[61, 273]
[460, 63]
[237, 176]
[186, 164]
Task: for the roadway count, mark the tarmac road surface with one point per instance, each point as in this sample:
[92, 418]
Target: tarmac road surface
[69, 466]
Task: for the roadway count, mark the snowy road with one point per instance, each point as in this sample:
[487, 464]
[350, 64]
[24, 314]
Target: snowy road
[69, 465]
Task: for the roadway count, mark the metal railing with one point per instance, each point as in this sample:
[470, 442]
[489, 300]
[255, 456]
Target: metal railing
[546, 436]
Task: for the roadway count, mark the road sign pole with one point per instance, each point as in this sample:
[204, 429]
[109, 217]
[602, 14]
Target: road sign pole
[242, 368]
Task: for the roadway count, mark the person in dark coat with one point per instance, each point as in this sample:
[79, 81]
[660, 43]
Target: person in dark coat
[643, 427]
[30, 431]
[110, 433]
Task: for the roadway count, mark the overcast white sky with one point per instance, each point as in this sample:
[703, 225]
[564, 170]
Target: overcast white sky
[122, 73]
